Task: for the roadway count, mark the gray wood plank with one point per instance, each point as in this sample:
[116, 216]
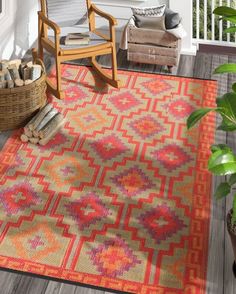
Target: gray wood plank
[186, 66]
[29, 285]
[8, 282]
[229, 281]
[215, 277]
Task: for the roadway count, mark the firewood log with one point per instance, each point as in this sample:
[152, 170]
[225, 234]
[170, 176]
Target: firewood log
[34, 140]
[36, 71]
[15, 62]
[52, 124]
[44, 141]
[21, 69]
[47, 118]
[26, 73]
[19, 82]
[14, 72]
[24, 138]
[27, 132]
[3, 64]
[39, 116]
[2, 76]
[29, 64]
[3, 85]
[10, 84]
[28, 82]
[7, 75]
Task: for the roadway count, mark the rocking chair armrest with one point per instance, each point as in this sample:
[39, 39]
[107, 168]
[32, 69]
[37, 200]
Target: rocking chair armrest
[103, 14]
[50, 23]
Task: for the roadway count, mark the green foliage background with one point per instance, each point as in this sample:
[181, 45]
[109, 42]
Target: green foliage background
[209, 18]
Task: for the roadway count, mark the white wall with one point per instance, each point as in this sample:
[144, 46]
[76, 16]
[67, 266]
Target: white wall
[7, 25]
[187, 21]
[19, 27]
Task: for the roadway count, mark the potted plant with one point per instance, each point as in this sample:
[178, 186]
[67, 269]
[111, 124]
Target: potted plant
[222, 161]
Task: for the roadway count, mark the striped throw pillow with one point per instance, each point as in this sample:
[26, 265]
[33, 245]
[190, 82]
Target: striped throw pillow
[149, 11]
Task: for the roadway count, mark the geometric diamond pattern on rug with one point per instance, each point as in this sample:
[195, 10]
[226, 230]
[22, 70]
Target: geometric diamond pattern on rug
[109, 147]
[109, 201]
[171, 157]
[19, 197]
[124, 101]
[180, 109]
[161, 222]
[146, 127]
[132, 182]
[157, 86]
[113, 258]
[88, 210]
[65, 171]
[91, 119]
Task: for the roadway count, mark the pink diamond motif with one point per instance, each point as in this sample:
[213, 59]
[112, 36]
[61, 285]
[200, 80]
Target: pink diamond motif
[180, 108]
[171, 157]
[18, 198]
[113, 252]
[74, 94]
[87, 210]
[132, 182]
[124, 101]
[58, 140]
[109, 147]
[157, 86]
[161, 223]
[146, 127]
[35, 242]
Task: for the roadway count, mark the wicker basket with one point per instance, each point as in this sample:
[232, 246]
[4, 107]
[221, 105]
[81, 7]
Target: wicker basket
[18, 105]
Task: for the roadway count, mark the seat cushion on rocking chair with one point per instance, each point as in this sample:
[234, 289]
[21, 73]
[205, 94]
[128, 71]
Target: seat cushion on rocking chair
[94, 40]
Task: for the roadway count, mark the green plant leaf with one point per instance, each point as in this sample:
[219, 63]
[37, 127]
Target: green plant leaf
[234, 210]
[217, 147]
[224, 11]
[232, 179]
[197, 115]
[230, 18]
[227, 109]
[222, 163]
[226, 68]
[222, 190]
[230, 30]
[227, 127]
[234, 87]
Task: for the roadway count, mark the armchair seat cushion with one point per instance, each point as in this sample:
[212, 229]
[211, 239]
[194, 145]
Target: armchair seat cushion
[154, 37]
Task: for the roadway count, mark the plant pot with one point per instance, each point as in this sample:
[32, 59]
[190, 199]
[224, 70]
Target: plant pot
[232, 233]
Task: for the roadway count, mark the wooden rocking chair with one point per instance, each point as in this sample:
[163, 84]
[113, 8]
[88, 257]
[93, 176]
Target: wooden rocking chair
[56, 14]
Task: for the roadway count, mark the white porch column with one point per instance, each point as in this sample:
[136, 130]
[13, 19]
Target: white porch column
[185, 8]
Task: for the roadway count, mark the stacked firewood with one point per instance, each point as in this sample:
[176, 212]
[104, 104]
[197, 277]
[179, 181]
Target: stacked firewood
[17, 73]
[43, 126]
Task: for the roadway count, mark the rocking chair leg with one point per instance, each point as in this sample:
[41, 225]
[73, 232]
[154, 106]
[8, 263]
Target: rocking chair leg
[107, 78]
[58, 92]
[114, 64]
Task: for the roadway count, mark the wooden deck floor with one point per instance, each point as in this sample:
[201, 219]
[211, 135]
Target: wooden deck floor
[220, 278]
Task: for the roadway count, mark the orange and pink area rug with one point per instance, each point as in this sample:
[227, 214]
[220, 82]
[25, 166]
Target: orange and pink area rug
[120, 198]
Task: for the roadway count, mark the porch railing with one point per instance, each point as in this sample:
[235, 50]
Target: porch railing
[208, 28]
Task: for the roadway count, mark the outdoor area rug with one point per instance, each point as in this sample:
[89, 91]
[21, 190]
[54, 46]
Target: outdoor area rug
[120, 198]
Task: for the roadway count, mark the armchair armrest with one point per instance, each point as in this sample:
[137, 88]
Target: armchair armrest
[49, 23]
[103, 14]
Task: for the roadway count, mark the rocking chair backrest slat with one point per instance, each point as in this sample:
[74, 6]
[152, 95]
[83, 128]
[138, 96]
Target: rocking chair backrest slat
[67, 12]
